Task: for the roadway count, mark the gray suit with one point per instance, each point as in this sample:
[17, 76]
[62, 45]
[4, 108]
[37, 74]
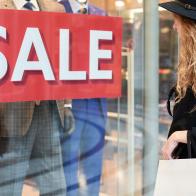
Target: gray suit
[30, 135]
[15, 118]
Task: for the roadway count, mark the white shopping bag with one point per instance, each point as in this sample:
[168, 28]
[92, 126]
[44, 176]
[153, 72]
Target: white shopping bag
[176, 178]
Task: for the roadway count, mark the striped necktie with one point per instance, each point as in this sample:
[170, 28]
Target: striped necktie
[83, 10]
[28, 5]
[83, 7]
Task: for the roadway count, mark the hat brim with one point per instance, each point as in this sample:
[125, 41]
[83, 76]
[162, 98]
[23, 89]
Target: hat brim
[174, 7]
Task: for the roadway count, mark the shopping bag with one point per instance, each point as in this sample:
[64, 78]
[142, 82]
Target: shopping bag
[176, 178]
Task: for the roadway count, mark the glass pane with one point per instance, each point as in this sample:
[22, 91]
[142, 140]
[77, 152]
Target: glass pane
[95, 147]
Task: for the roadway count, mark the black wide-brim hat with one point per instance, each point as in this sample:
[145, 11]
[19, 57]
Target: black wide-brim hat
[185, 8]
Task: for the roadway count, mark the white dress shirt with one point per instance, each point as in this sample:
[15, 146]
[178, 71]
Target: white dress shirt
[20, 3]
[75, 6]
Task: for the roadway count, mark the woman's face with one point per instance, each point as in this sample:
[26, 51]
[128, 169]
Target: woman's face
[177, 25]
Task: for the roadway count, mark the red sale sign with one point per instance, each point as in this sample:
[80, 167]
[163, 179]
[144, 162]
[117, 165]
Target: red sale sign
[46, 56]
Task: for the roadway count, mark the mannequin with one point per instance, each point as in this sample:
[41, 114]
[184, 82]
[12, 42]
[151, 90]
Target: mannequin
[83, 149]
[30, 133]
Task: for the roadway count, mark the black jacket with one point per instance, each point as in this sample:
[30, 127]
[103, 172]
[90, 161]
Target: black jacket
[185, 119]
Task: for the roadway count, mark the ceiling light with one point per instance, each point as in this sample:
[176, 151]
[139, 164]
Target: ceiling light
[140, 1]
[165, 30]
[119, 3]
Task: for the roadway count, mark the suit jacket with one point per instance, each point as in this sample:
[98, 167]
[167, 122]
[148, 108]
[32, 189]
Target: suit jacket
[94, 11]
[15, 118]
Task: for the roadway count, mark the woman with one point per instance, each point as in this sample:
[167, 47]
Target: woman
[181, 141]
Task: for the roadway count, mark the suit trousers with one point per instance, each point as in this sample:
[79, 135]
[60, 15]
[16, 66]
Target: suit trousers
[83, 149]
[37, 154]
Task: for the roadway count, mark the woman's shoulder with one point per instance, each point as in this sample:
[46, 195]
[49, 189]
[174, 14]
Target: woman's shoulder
[187, 103]
[190, 96]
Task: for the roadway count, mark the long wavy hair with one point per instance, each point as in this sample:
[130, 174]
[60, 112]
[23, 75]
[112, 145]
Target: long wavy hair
[186, 70]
